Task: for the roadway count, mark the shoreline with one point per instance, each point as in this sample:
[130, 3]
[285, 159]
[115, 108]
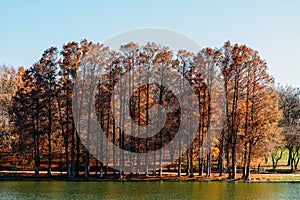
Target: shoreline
[117, 180]
[254, 178]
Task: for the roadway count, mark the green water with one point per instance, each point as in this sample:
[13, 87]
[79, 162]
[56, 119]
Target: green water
[147, 190]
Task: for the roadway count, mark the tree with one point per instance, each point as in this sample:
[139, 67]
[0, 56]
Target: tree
[45, 73]
[72, 54]
[8, 84]
[251, 108]
[276, 156]
[9, 80]
[209, 71]
[26, 117]
[88, 75]
[290, 104]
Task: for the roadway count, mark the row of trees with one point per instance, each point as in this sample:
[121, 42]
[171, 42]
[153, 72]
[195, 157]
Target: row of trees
[242, 116]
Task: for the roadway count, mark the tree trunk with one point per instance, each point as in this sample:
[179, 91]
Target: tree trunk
[86, 164]
[247, 177]
[199, 133]
[191, 163]
[37, 145]
[49, 136]
[67, 136]
[179, 167]
[220, 161]
[73, 151]
[208, 166]
[77, 155]
[233, 160]
[187, 164]
[201, 167]
[245, 160]
[290, 157]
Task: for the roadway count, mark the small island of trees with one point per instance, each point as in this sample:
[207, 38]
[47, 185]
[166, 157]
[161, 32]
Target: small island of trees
[250, 122]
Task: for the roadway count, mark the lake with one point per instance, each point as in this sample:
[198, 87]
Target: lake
[146, 190]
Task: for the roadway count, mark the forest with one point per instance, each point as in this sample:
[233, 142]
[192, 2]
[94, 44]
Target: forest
[244, 118]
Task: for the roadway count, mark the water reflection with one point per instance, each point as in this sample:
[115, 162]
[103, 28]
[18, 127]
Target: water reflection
[147, 190]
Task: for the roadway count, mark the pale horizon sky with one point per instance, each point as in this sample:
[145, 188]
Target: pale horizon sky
[271, 27]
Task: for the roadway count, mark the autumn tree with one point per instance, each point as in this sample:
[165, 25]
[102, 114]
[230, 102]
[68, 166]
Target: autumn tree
[9, 80]
[45, 74]
[26, 117]
[251, 107]
[290, 104]
[72, 54]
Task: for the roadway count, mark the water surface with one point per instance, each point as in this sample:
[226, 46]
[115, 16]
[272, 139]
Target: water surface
[146, 190]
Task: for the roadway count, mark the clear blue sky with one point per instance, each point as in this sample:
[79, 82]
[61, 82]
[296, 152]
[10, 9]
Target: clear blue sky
[272, 27]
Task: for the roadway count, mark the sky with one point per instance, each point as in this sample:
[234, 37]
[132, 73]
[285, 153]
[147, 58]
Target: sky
[272, 27]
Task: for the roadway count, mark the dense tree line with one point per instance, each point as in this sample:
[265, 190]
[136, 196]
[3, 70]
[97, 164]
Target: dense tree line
[242, 115]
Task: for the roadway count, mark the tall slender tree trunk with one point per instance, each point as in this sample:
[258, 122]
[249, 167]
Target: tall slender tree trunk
[233, 161]
[67, 137]
[87, 153]
[73, 150]
[201, 169]
[161, 93]
[187, 163]
[49, 135]
[138, 141]
[245, 160]
[234, 126]
[221, 165]
[191, 163]
[228, 160]
[37, 137]
[247, 176]
[290, 157]
[77, 155]
[208, 163]
[199, 133]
